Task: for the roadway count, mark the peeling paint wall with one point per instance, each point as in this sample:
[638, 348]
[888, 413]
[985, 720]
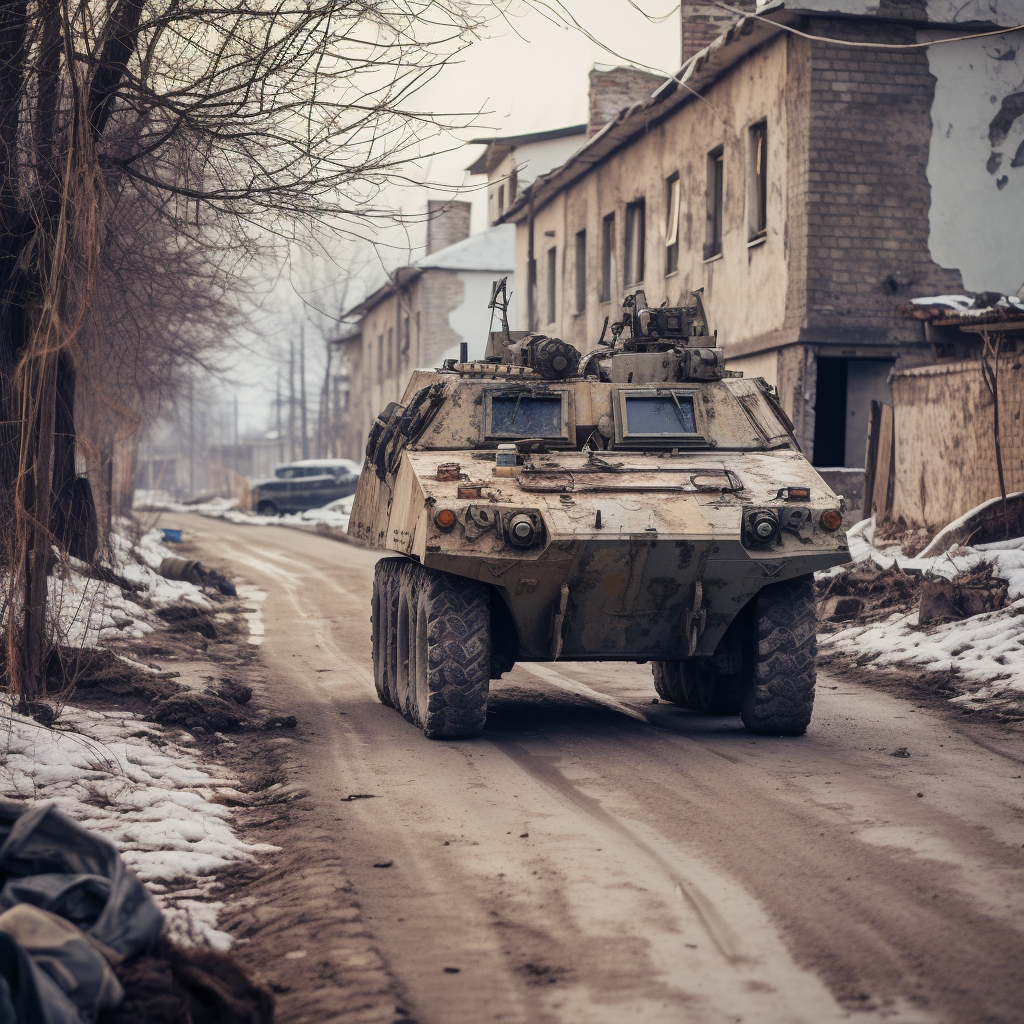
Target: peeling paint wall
[976, 160]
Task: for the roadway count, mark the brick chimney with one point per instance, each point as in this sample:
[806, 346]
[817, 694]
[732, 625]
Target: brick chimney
[613, 89]
[702, 22]
[447, 223]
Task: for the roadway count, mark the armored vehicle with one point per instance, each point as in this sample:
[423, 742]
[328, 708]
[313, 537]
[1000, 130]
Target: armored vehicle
[636, 503]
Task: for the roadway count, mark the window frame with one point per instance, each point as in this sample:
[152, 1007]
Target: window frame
[633, 260]
[607, 256]
[566, 437]
[581, 271]
[757, 186]
[625, 438]
[715, 192]
[673, 211]
[552, 285]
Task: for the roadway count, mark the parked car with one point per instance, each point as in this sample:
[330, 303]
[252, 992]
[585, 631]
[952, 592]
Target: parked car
[309, 483]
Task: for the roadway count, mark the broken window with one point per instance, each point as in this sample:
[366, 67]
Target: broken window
[633, 263]
[757, 193]
[607, 256]
[552, 283]
[581, 271]
[715, 197]
[672, 224]
[501, 200]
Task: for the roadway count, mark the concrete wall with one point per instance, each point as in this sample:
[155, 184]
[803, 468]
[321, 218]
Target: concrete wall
[945, 449]
[976, 160]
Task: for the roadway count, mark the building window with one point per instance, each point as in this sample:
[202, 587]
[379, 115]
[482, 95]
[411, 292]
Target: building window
[513, 185]
[501, 199]
[757, 197]
[552, 283]
[581, 271]
[391, 349]
[715, 194]
[636, 229]
[672, 224]
[607, 256]
[380, 357]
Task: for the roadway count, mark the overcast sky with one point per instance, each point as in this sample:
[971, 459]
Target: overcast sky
[523, 76]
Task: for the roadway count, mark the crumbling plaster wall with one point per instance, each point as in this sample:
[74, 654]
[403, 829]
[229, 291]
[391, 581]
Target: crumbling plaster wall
[976, 159]
[945, 448]
[943, 12]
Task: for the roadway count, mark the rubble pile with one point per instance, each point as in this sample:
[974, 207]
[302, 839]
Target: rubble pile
[870, 592]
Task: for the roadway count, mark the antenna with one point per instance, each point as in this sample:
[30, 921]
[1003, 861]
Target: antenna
[500, 300]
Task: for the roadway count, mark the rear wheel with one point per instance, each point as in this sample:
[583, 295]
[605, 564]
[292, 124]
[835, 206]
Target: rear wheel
[696, 686]
[778, 695]
[444, 653]
[266, 508]
[384, 621]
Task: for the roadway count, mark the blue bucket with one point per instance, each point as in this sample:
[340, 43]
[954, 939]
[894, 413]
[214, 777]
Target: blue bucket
[174, 536]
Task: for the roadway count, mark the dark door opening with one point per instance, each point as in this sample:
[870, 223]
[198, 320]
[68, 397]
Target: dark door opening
[830, 413]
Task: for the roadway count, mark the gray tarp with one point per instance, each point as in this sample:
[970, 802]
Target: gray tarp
[53, 871]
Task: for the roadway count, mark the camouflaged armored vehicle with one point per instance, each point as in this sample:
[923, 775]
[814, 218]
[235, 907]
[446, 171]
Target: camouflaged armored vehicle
[638, 503]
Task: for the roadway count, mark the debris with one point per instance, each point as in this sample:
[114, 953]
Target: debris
[187, 618]
[967, 594]
[230, 690]
[281, 722]
[197, 711]
[384, 864]
[840, 609]
[900, 752]
[452, 970]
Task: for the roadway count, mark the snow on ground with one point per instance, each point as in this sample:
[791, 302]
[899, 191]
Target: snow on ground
[335, 514]
[145, 787]
[85, 611]
[986, 650]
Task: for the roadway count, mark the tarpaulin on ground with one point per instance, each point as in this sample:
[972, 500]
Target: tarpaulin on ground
[69, 910]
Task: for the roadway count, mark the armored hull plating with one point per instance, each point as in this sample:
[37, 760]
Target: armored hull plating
[637, 512]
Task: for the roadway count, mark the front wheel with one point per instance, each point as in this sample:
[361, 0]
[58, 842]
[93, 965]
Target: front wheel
[445, 652]
[266, 508]
[778, 695]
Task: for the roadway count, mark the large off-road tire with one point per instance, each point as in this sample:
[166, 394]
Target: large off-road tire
[444, 653]
[696, 686]
[778, 695]
[384, 622]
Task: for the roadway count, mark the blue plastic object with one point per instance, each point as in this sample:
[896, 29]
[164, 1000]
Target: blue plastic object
[174, 536]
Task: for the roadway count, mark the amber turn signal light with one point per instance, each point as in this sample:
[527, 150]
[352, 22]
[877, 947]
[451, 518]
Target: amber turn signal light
[445, 518]
[794, 493]
[831, 520]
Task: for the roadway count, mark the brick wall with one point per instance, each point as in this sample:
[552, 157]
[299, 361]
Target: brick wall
[611, 91]
[447, 223]
[868, 195]
[945, 447]
[702, 22]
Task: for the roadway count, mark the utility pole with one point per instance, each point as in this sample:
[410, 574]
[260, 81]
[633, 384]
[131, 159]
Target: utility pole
[291, 400]
[191, 443]
[302, 389]
[280, 425]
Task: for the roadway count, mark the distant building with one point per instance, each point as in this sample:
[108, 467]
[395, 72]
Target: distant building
[421, 316]
[809, 187]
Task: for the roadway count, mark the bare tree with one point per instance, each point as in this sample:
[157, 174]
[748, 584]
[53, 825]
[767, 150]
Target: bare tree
[234, 121]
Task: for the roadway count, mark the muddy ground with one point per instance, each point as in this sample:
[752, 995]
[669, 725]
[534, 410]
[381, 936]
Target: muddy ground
[596, 856]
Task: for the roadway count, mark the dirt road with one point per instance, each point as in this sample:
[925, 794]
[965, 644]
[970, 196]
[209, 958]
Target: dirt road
[596, 857]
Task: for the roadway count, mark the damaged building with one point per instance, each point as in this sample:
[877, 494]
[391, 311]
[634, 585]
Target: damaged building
[421, 315]
[812, 169]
